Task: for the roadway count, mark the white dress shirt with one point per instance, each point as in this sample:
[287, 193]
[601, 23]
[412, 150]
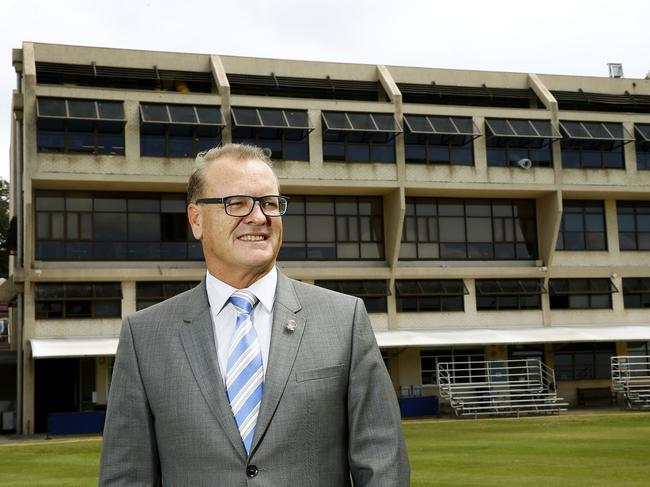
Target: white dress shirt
[224, 316]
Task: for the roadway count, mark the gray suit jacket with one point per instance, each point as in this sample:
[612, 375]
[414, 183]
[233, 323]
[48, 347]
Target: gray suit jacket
[328, 412]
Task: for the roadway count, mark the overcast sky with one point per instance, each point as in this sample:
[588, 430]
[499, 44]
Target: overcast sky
[546, 36]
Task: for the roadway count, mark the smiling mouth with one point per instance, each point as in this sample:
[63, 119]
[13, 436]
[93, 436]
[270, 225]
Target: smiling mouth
[252, 238]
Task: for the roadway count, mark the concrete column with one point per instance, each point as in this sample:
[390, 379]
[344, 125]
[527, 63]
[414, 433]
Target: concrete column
[128, 298]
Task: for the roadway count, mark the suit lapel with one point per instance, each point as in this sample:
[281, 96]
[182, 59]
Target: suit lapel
[282, 352]
[197, 336]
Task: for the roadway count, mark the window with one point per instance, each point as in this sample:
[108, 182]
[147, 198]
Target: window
[78, 300]
[283, 131]
[75, 225]
[178, 130]
[333, 228]
[636, 292]
[642, 133]
[508, 294]
[359, 137]
[440, 140]
[638, 348]
[633, 225]
[512, 142]
[317, 88]
[581, 293]
[80, 126]
[602, 102]
[124, 78]
[478, 96]
[469, 229]
[465, 365]
[373, 293]
[150, 293]
[582, 226]
[593, 145]
[430, 295]
[582, 361]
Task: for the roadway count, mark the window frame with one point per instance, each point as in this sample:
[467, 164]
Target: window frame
[636, 210]
[583, 207]
[97, 296]
[56, 244]
[99, 128]
[588, 295]
[444, 300]
[428, 221]
[503, 299]
[166, 128]
[351, 223]
[514, 142]
[375, 301]
[347, 136]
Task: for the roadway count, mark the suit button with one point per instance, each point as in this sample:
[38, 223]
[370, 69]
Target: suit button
[251, 471]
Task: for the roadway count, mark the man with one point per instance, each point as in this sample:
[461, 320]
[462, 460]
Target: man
[251, 378]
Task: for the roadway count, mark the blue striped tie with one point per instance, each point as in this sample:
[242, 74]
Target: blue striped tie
[245, 374]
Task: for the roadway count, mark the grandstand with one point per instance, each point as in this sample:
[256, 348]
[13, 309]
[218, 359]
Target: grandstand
[631, 377]
[499, 387]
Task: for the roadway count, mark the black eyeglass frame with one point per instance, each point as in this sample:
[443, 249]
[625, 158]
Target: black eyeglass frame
[260, 199]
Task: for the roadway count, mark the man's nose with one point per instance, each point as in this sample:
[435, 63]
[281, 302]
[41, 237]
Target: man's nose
[256, 215]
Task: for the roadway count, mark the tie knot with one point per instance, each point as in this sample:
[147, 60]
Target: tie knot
[244, 301]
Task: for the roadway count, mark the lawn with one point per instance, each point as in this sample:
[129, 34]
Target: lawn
[570, 450]
[598, 449]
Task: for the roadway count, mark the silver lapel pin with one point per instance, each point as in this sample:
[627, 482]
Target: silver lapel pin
[290, 326]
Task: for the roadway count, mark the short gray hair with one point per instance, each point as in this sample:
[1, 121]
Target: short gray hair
[235, 152]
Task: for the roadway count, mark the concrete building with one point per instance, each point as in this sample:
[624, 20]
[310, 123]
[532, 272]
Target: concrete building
[481, 215]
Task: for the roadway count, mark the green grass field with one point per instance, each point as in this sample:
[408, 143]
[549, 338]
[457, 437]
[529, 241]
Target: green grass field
[597, 449]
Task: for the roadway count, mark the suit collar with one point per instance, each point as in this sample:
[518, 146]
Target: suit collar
[286, 335]
[197, 337]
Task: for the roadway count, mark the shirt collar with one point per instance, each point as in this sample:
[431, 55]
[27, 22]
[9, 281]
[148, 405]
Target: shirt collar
[264, 289]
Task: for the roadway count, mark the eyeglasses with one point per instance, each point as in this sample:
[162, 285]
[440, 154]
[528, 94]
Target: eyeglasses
[242, 205]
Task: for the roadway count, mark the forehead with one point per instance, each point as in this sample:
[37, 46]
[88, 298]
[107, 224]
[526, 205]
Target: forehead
[252, 176]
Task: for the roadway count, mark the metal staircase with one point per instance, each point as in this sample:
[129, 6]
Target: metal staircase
[631, 376]
[499, 387]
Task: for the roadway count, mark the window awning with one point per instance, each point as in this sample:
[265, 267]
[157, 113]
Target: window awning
[73, 347]
[636, 285]
[443, 287]
[384, 123]
[509, 287]
[568, 287]
[550, 334]
[519, 128]
[643, 131]
[73, 109]
[271, 118]
[437, 125]
[603, 131]
[362, 289]
[161, 113]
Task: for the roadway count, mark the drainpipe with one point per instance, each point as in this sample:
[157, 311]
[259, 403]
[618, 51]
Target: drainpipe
[18, 198]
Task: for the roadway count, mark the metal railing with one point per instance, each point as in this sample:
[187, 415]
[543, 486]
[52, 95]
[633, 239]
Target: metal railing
[499, 387]
[631, 377]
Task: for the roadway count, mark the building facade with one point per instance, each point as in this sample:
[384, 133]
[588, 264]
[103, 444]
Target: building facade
[480, 215]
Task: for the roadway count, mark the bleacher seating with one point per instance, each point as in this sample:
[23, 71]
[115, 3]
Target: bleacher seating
[499, 387]
[631, 377]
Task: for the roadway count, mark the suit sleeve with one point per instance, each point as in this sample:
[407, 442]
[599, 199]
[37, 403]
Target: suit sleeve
[129, 452]
[377, 450]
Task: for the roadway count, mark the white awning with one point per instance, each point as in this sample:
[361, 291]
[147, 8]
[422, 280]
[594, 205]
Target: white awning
[551, 334]
[73, 347]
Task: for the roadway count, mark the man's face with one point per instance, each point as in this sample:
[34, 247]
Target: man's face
[237, 246]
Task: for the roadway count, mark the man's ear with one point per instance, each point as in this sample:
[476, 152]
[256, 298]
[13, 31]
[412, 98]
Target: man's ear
[195, 217]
